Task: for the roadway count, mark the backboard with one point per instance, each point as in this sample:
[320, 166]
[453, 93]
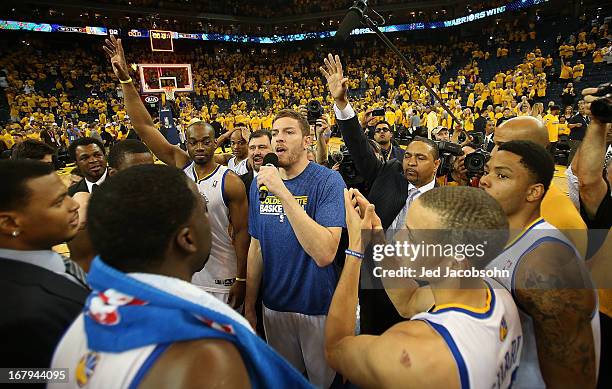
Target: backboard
[154, 77]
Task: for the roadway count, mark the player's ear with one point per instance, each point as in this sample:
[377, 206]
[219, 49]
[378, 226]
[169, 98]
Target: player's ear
[535, 192]
[112, 171]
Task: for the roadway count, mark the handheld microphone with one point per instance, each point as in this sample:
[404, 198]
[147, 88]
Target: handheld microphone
[351, 20]
[270, 159]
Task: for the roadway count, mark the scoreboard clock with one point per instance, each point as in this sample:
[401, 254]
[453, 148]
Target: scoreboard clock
[161, 40]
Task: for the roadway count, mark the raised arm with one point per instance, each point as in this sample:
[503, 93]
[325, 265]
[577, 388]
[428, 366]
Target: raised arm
[139, 116]
[321, 126]
[590, 161]
[356, 141]
[402, 353]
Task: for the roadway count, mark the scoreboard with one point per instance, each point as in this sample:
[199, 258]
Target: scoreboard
[161, 40]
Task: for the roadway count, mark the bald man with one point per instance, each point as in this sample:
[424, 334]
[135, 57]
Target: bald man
[557, 208]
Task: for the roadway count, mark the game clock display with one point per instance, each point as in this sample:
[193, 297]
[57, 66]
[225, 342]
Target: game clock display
[161, 40]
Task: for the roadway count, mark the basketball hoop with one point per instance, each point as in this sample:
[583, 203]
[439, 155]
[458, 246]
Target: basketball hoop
[169, 91]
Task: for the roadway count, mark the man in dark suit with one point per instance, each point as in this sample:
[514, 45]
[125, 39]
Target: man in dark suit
[40, 299]
[394, 186]
[90, 157]
[50, 137]
[489, 141]
[259, 146]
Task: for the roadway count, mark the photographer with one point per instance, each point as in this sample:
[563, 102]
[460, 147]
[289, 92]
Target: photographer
[394, 186]
[459, 173]
[441, 133]
[319, 129]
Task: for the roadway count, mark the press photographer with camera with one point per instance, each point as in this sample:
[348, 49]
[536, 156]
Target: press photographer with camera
[319, 129]
[394, 185]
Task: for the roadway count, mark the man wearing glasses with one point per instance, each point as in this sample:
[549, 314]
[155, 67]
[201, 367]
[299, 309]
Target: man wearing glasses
[383, 136]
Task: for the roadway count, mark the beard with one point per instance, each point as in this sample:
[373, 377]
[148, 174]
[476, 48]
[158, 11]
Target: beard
[288, 158]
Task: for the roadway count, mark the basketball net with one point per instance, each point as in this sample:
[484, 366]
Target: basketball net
[169, 93]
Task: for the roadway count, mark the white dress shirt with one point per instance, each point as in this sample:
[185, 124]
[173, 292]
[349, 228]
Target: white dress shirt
[345, 114]
[99, 182]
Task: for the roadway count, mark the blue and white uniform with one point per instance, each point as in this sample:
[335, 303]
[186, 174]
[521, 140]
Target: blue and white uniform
[118, 338]
[539, 232]
[239, 168]
[219, 273]
[486, 343]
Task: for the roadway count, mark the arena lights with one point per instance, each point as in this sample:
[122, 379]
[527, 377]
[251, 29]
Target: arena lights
[138, 33]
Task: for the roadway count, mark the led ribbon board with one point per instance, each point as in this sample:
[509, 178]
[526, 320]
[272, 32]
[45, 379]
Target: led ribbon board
[164, 41]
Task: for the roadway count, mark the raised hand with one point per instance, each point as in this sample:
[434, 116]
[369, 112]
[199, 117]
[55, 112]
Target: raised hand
[591, 95]
[360, 217]
[114, 49]
[336, 82]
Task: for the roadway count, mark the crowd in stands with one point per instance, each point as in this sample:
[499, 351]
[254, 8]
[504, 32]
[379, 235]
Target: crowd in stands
[177, 253]
[73, 93]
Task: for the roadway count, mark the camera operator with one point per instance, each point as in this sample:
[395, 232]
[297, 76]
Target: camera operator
[568, 95]
[394, 185]
[459, 173]
[441, 133]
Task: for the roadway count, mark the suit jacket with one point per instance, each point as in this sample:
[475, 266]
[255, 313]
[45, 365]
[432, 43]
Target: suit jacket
[388, 185]
[247, 179]
[490, 145]
[37, 307]
[80, 186]
[388, 192]
[480, 123]
[48, 137]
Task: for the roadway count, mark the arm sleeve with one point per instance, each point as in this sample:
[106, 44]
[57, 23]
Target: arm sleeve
[357, 143]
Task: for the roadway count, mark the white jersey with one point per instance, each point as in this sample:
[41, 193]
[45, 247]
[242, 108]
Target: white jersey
[219, 273]
[540, 231]
[128, 368]
[239, 168]
[124, 370]
[486, 343]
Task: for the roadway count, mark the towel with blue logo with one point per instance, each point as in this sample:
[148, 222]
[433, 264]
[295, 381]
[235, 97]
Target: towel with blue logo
[128, 311]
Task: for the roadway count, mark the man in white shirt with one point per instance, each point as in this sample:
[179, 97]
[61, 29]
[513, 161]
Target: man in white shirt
[90, 157]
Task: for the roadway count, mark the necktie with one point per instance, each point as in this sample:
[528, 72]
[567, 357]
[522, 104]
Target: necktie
[94, 187]
[76, 271]
[398, 223]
